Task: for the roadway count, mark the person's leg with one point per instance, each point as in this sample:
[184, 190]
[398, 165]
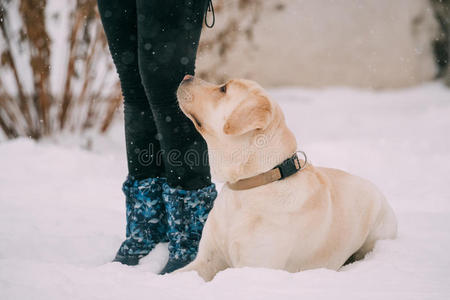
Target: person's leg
[119, 22]
[168, 37]
[146, 219]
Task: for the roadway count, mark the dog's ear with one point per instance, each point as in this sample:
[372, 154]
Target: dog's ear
[253, 113]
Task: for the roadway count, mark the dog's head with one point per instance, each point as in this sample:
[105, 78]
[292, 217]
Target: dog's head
[244, 129]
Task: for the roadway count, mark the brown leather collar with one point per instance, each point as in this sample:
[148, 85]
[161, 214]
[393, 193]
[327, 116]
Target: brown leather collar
[287, 168]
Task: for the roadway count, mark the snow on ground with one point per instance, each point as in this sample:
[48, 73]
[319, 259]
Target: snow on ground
[62, 214]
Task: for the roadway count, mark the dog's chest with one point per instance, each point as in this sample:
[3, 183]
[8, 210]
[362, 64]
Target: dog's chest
[255, 228]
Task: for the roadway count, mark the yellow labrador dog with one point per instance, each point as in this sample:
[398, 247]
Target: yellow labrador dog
[315, 218]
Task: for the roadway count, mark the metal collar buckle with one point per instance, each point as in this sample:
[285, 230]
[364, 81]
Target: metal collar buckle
[291, 165]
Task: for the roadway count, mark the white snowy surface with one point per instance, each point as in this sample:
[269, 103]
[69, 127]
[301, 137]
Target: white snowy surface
[62, 214]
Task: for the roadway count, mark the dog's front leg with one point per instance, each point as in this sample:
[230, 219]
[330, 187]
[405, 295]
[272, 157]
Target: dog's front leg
[205, 268]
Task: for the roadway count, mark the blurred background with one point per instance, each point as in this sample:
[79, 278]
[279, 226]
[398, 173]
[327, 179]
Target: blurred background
[363, 84]
[56, 74]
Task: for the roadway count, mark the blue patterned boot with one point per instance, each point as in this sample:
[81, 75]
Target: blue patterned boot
[187, 212]
[146, 219]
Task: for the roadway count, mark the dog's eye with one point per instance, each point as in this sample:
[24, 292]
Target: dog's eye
[223, 88]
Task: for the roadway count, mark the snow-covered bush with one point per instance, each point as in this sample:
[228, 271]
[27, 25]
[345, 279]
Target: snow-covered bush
[55, 71]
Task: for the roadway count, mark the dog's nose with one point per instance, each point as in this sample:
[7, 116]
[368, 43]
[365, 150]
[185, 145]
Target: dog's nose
[188, 77]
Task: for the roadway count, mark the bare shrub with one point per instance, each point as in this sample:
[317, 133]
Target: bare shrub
[55, 70]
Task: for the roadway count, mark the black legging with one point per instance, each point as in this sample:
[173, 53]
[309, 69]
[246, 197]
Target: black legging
[153, 44]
